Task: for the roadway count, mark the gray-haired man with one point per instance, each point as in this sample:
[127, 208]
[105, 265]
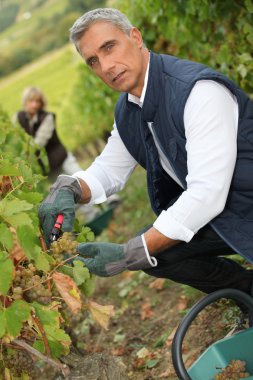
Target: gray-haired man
[191, 128]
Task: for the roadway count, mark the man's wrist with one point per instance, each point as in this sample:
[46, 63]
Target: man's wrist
[85, 190]
[157, 242]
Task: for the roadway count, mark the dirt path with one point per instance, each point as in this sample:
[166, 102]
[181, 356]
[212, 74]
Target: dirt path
[141, 333]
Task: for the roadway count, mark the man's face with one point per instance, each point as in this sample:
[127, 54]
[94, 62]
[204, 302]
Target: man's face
[117, 58]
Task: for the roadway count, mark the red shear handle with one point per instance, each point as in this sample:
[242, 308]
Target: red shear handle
[55, 234]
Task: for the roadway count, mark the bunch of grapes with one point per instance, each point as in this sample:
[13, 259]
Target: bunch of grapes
[65, 245]
[236, 370]
[29, 285]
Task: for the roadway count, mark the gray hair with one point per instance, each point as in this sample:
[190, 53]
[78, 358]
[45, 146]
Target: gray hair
[111, 15]
[30, 93]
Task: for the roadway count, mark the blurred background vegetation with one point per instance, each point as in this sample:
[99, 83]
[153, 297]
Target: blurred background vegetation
[35, 51]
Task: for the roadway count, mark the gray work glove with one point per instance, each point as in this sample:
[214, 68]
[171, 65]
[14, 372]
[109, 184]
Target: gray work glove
[108, 259]
[63, 196]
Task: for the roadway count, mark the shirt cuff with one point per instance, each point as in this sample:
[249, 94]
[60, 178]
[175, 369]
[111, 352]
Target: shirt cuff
[98, 194]
[151, 259]
[171, 228]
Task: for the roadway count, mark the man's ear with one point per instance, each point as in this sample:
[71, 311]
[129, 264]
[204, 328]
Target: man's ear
[136, 36]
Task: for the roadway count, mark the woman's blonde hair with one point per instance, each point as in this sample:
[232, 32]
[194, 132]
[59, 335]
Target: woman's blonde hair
[33, 92]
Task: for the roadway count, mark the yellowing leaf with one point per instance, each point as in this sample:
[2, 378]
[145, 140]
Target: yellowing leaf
[17, 254]
[75, 294]
[101, 314]
[68, 290]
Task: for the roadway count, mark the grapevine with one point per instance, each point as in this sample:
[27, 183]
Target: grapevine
[41, 291]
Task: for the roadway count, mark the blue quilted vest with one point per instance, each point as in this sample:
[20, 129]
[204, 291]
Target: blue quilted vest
[169, 85]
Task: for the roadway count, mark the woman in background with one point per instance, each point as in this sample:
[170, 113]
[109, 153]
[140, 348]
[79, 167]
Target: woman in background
[41, 125]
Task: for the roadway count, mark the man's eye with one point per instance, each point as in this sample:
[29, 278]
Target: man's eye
[92, 61]
[108, 47]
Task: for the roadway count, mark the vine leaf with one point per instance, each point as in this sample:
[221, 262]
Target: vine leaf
[7, 168]
[80, 273]
[12, 212]
[12, 318]
[17, 254]
[59, 341]
[68, 290]
[6, 236]
[41, 260]
[101, 313]
[46, 314]
[28, 240]
[7, 269]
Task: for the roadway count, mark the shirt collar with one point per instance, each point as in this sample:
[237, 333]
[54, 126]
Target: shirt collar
[135, 99]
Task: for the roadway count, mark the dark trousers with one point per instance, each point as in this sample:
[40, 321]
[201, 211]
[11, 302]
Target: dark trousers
[200, 264]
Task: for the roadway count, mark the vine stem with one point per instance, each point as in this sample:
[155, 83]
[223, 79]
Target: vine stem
[62, 263]
[42, 243]
[60, 367]
[43, 334]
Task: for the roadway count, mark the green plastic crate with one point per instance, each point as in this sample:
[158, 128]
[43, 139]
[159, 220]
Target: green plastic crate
[220, 354]
[101, 221]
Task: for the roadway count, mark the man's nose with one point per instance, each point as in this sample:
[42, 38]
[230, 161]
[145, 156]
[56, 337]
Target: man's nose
[106, 65]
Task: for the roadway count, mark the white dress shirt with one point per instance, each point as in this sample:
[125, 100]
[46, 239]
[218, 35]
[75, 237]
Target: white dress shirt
[211, 119]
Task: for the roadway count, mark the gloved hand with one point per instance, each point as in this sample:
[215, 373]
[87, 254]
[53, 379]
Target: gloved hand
[63, 195]
[108, 259]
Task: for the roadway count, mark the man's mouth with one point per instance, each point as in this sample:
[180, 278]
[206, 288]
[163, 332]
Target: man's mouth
[118, 77]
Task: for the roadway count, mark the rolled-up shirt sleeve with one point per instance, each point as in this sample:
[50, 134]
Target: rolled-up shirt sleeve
[211, 119]
[110, 171]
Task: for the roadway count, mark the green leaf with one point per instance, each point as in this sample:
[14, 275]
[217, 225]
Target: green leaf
[6, 236]
[39, 345]
[7, 268]
[7, 168]
[46, 315]
[80, 273]
[57, 349]
[152, 363]
[2, 323]
[66, 269]
[14, 206]
[88, 287]
[26, 172]
[16, 315]
[242, 69]
[85, 235]
[28, 240]
[18, 220]
[56, 334]
[41, 261]
[12, 211]
[31, 197]
[249, 5]
[90, 236]
[2, 138]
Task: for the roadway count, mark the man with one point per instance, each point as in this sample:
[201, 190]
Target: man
[191, 129]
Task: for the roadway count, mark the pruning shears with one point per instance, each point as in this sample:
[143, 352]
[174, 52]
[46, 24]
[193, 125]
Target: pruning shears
[56, 231]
